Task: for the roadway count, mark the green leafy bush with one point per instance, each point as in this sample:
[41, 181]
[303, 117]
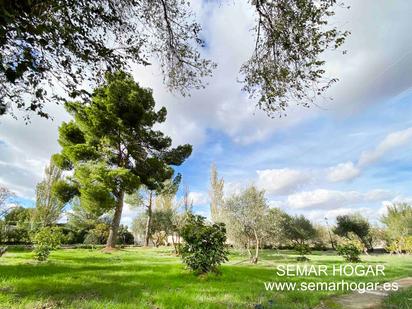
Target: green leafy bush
[204, 247]
[45, 240]
[350, 250]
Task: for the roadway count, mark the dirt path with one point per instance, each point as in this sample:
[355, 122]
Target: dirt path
[367, 300]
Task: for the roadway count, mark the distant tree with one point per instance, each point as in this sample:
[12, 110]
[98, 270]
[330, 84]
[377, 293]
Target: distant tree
[324, 238]
[398, 220]
[98, 234]
[355, 224]
[18, 216]
[244, 215]
[5, 195]
[160, 195]
[48, 207]
[162, 226]
[165, 197]
[215, 194]
[79, 217]
[139, 227]
[125, 236]
[187, 201]
[17, 225]
[113, 149]
[298, 229]
[274, 235]
[49, 42]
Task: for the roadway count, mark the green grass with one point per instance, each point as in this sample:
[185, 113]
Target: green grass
[399, 300]
[154, 278]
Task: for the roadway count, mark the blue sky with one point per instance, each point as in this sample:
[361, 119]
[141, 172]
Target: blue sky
[350, 154]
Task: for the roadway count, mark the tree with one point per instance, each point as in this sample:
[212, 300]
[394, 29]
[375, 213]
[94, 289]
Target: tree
[112, 149]
[355, 224]
[187, 202]
[17, 224]
[298, 229]
[139, 227]
[45, 240]
[398, 220]
[48, 207]
[47, 42]
[286, 65]
[215, 194]
[161, 196]
[98, 234]
[125, 236]
[5, 195]
[204, 248]
[244, 215]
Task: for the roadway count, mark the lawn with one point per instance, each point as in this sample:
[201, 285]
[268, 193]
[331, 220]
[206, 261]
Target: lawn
[154, 278]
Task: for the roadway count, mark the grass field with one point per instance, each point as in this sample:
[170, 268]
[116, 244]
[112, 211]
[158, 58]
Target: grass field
[154, 278]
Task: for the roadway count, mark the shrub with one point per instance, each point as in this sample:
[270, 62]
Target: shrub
[350, 250]
[204, 248]
[45, 240]
[302, 249]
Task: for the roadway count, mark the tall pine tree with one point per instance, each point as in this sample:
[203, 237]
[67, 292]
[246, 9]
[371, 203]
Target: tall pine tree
[112, 148]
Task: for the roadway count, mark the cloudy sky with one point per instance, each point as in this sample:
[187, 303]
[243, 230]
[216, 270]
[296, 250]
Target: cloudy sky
[350, 154]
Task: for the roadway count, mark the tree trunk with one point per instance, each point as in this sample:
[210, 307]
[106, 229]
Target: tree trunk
[149, 220]
[248, 249]
[256, 257]
[114, 227]
[174, 243]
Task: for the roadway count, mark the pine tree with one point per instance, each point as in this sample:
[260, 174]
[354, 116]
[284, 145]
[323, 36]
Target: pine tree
[112, 148]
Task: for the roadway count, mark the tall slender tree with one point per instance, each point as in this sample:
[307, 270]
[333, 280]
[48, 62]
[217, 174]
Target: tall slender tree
[5, 195]
[48, 207]
[113, 149]
[215, 194]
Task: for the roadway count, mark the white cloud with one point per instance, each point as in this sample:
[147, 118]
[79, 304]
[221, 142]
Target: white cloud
[225, 109]
[281, 181]
[348, 170]
[332, 199]
[343, 172]
[198, 198]
[318, 216]
[390, 142]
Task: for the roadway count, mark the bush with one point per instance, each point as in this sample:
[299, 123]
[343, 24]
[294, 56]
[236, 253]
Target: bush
[350, 250]
[204, 248]
[45, 240]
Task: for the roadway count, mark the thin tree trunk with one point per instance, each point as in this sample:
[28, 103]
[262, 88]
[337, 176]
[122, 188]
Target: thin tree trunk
[174, 243]
[256, 257]
[149, 220]
[114, 227]
[248, 249]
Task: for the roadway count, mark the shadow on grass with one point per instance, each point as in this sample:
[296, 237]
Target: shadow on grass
[77, 278]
